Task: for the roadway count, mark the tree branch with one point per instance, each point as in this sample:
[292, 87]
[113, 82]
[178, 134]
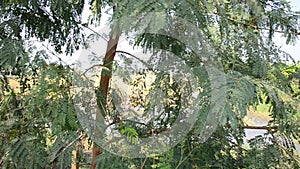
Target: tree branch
[127, 53]
[91, 68]
[143, 164]
[69, 145]
[260, 28]
[285, 150]
[83, 25]
[3, 158]
[261, 127]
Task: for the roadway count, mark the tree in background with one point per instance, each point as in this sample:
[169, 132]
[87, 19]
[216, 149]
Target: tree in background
[39, 127]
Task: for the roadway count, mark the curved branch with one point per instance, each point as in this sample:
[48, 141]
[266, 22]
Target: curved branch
[86, 70]
[127, 53]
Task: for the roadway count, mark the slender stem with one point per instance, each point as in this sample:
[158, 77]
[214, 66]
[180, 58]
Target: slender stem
[284, 149]
[93, 31]
[97, 65]
[69, 145]
[143, 164]
[127, 53]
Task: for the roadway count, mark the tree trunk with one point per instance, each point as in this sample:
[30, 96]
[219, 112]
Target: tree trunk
[76, 157]
[102, 90]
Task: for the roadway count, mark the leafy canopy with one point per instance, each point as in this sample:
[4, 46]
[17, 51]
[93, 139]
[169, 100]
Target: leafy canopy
[38, 123]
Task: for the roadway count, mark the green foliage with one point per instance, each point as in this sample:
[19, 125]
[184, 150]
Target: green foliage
[38, 123]
[37, 113]
[60, 152]
[264, 153]
[26, 152]
[110, 161]
[56, 22]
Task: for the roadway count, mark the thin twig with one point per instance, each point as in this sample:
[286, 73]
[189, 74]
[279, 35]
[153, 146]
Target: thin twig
[186, 157]
[68, 146]
[91, 68]
[54, 54]
[285, 150]
[143, 164]
[127, 53]
[93, 31]
[3, 157]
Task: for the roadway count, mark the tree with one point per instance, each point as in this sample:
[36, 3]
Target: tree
[39, 122]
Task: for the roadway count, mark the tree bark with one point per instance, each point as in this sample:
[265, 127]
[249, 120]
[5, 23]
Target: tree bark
[102, 90]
